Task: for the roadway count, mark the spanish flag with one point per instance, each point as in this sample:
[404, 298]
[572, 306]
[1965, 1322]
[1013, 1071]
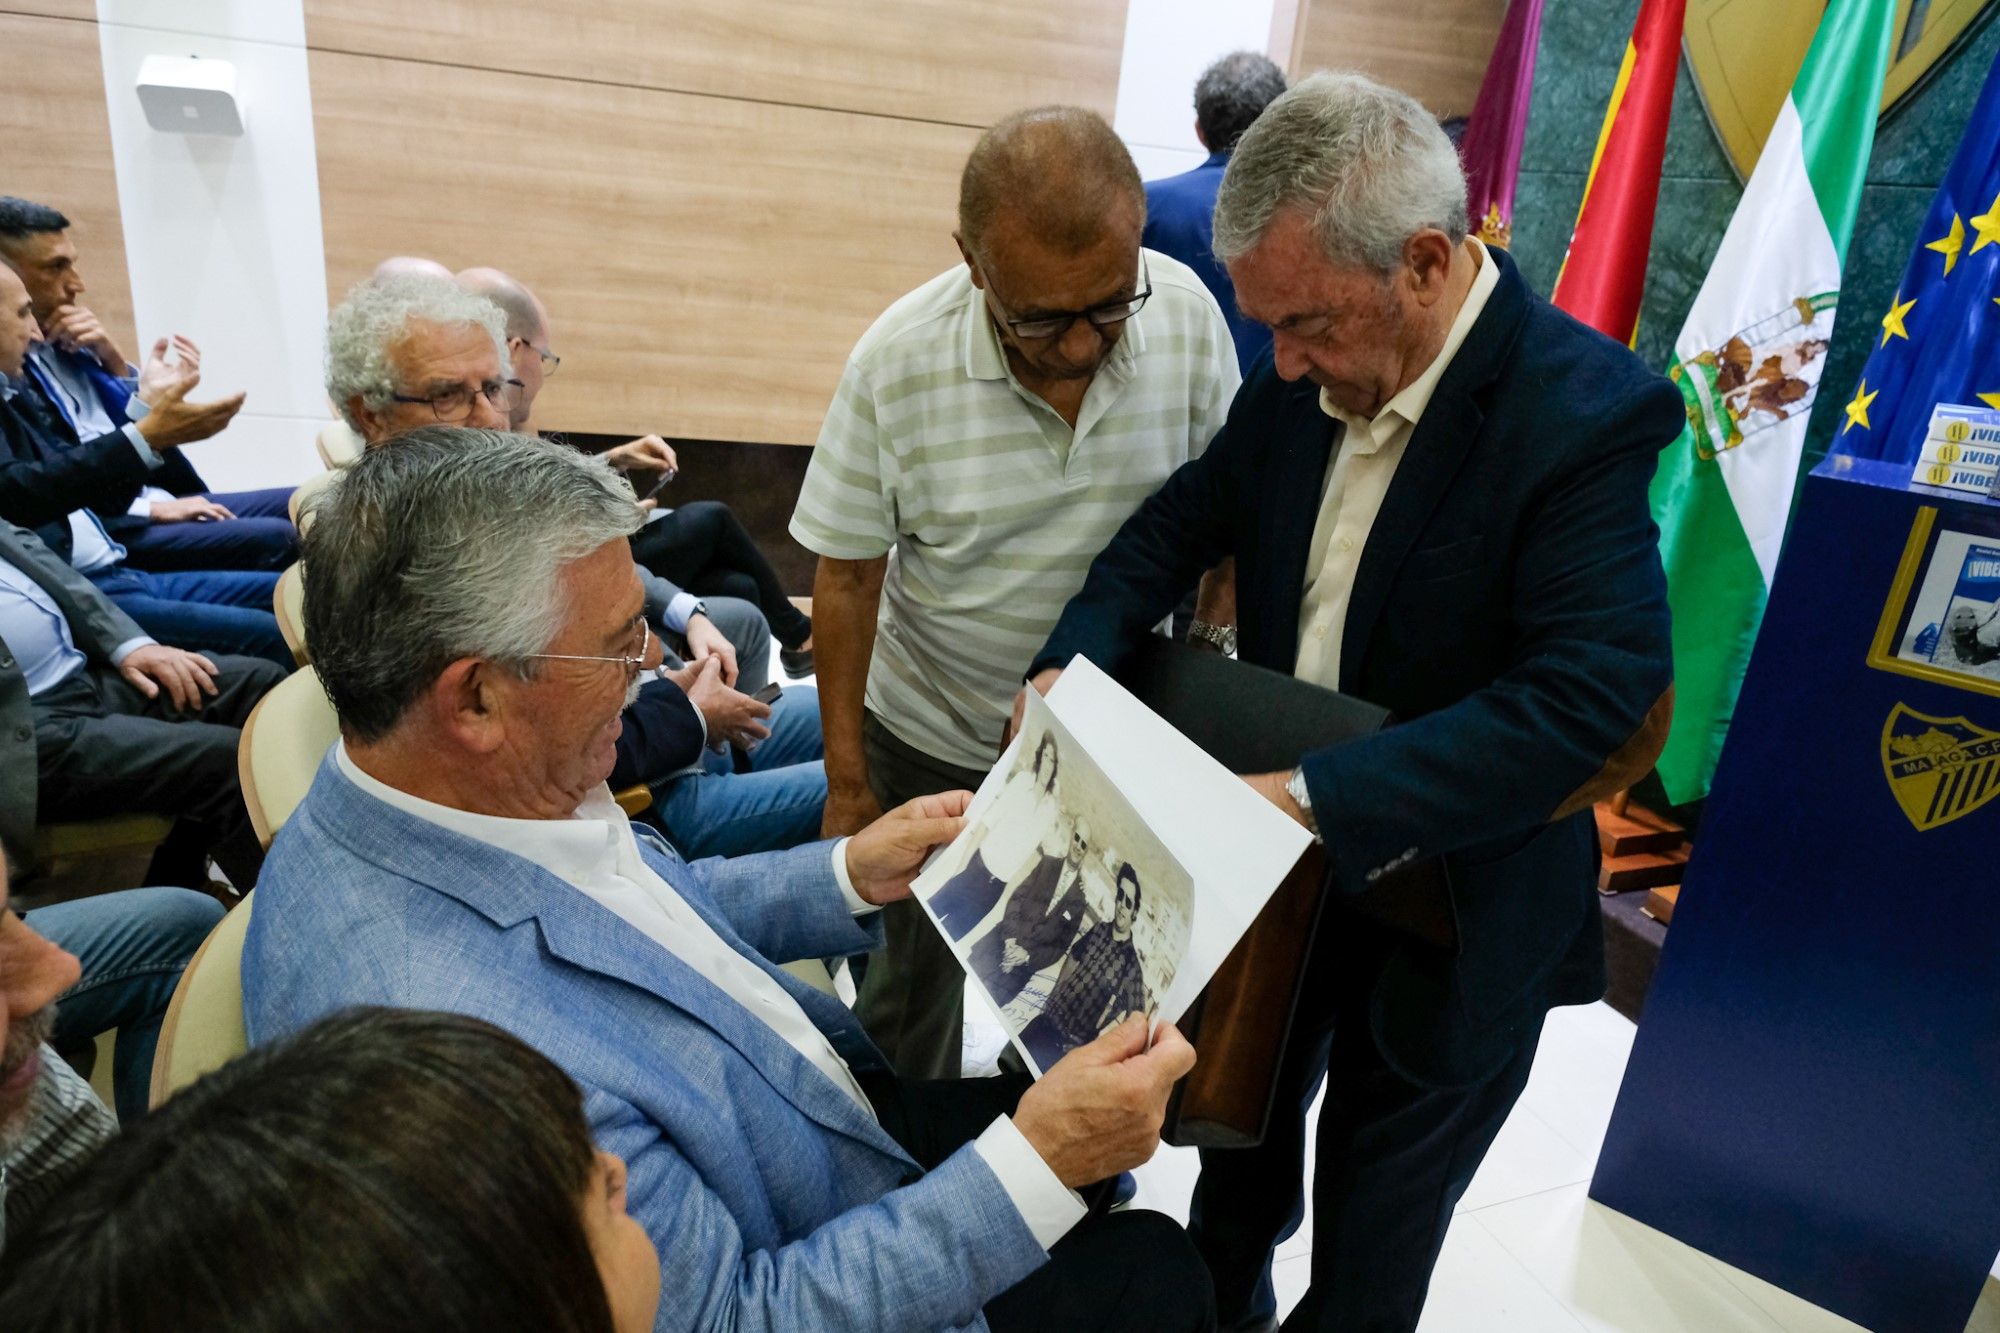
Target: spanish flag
[1604, 273]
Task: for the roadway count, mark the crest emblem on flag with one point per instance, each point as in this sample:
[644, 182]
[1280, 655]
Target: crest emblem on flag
[1939, 768]
[1760, 376]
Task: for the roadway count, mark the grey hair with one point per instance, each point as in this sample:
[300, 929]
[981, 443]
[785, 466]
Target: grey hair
[363, 330]
[1366, 164]
[1231, 94]
[446, 543]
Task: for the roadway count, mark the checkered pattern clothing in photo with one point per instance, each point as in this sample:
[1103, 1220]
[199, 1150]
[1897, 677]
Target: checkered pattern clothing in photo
[66, 1123]
[1105, 984]
[993, 505]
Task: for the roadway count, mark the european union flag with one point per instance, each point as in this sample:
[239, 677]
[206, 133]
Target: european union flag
[1941, 335]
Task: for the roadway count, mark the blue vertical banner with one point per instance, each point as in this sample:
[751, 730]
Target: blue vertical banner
[1814, 1094]
[1939, 340]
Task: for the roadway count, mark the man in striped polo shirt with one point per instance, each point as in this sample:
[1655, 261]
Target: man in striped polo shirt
[991, 432]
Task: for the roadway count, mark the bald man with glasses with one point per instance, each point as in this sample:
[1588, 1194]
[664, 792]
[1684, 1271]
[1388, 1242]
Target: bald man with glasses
[991, 432]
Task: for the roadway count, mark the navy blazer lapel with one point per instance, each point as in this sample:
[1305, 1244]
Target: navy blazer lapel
[507, 890]
[1438, 446]
[1297, 475]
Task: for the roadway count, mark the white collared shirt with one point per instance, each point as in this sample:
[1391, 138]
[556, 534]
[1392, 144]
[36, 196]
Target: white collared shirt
[1365, 456]
[596, 852]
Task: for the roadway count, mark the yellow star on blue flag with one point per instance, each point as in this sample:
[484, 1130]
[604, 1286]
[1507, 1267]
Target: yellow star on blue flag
[1941, 331]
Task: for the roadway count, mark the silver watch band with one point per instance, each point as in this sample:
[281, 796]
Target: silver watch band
[1295, 787]
[1222, 636]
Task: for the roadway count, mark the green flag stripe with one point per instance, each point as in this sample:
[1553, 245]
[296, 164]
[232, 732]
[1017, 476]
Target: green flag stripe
[1838, 94]
[1716, 593]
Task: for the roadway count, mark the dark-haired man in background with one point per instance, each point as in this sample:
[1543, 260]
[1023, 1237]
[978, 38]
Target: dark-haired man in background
[1180, 210]
[173, 521]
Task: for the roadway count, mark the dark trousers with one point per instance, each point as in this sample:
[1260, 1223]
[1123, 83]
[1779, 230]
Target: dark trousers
[1130, 1270]
[260, 537]
[204, 611]
[910, 995]
[1391, 1161]
[705, 549]
[102, 748]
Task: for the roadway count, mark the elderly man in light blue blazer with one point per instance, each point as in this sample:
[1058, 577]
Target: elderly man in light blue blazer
[476, 619]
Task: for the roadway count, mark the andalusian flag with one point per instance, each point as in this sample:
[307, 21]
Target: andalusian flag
[1604, 272]
[1748, 362]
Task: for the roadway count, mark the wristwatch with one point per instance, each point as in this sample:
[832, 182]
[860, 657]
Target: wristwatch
[1222, 638]
[1295, 787]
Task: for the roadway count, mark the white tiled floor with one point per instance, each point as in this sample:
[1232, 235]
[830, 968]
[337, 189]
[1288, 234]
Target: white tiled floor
[1528, 1252]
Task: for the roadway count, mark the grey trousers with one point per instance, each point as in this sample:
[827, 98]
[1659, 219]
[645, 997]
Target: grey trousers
[912, 996]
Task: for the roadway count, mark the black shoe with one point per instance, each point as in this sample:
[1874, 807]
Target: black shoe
[796, 661]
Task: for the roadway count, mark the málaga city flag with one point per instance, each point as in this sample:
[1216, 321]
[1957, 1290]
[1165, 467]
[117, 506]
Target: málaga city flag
[1748, 362]
[1604, 272]
[1940, 337]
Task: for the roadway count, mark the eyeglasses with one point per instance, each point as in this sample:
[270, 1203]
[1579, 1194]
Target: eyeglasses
[454, 405]
[551, 363]
[633, 665]
[1057, 322]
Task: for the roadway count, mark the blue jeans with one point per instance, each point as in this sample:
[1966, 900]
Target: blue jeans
[777, 804]
[133, 947]
[204, 611]
[261, 536]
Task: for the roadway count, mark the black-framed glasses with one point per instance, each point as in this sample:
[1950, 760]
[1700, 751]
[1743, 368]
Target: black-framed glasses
[633, 665]
[551, 363]
[454, 405]
[1103, 316]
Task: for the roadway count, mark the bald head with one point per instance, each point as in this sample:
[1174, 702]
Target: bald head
[410, 266]
[525, 316]
[1059, 172]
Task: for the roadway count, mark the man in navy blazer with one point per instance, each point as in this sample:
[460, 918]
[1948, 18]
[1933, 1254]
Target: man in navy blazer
[85, 383]
[1435, 491]
[1180, 210]
[477, 620]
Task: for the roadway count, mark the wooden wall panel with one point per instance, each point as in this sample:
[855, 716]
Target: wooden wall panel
[707, 263]
[1435, 50]
[58, 138]
[967, 62]
[85, 10]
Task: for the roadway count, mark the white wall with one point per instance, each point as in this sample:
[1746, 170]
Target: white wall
[222, 235]
[1168, 43]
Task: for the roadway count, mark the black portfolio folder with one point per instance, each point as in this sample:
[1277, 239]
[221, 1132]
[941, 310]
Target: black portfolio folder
[1253, 720]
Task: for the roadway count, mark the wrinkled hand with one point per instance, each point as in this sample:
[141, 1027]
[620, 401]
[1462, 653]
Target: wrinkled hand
[705, 640]
[731, 715]
[189, 509]
[76, 328]
[849, 809]
[1098, 1110]
[648, 453]
[173, 421]
[883, 858]
[1044, 681]
[185, 676]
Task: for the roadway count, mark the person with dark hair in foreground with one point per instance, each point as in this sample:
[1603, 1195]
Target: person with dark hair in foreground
[459, 850]
[1228, 98]
[383, 1170]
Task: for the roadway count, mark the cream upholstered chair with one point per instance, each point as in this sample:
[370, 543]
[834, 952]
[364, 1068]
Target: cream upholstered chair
[289, 605]
[203, 1028]
[304, 492]
[285, 737]
[338, 445]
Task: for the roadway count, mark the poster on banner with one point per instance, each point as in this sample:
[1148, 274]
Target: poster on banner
[1955, 616]
[1107, 867]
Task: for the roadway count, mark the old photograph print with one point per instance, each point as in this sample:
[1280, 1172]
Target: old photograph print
[1063, 904]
